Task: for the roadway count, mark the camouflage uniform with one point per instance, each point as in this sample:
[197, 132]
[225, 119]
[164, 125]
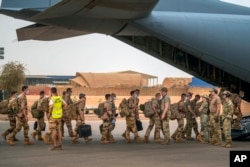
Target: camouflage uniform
[154, 120]
[165, 121]
[12, 121]
[107, 118]
[236, 111]
[66, 119]
[80, 120]
[43, 105]
[178, 134]
[204, 122]
[215, 121]
[226, 121]
[131, 121]
[21, 121]
[113, 109]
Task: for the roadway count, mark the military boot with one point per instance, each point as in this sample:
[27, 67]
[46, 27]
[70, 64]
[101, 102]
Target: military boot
[158, 140]
[39, 138]
[139, 139]
[11, 142]
[33, 134]
[87, 139]
[4, 135]
[127, 138]
[15, 139]
[75, 140]
[146, 139]
[27, 141]
[199, 138]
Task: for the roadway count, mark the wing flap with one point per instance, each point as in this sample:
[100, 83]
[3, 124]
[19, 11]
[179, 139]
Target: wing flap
[46, 33]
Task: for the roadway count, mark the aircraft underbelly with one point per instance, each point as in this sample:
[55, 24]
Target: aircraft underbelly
[222, 40]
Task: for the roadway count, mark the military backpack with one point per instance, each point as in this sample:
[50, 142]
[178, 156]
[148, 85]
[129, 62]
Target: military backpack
[35, 112]
[124, 110]
[147, 109]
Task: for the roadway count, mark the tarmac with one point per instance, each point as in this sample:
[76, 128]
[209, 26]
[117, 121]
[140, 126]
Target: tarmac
[119, 154]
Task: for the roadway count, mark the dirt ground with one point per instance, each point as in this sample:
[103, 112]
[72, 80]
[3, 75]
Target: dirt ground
[93, 101]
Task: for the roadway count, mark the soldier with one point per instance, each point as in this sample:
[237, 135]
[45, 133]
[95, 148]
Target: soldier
[13, 107]
[154, 120]
[204, 119]
[178, 134]
[80, 118]
[214, 108]
[43, 106]
[131, 119]
[165, 105]
[66, 118]
[22, 118]
[107, 117]
[189, 116]
[227, 115]
[237, 109]
[113, 109]
[56, 105]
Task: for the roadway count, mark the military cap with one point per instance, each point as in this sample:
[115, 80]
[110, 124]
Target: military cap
[164, 89]
[213, 90]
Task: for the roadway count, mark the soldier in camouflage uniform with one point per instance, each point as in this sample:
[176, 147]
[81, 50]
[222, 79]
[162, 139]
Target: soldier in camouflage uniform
[22, 118]
[154, 120]
[131, 119]
[66, 119]
[237, 109]
[11, 116]
[107, 117]
[43, 105]
[214, 108]
[227, 115]
[114, 115]
[178, 134]
[80, 118]
[204, 119]
[165, 113]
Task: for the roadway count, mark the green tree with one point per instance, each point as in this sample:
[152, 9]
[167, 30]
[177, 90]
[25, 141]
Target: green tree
[12, 76]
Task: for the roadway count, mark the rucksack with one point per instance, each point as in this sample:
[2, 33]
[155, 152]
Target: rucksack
[35, 112]
[4, 107]
[147, 109]
[13, 106]
[124, 110]
[100, 110]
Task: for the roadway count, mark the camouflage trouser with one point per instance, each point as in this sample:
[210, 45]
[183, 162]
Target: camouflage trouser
[165, 129]
[191, 124]
[12, 121]
[204, 127]
[21, 122]
[155, 120]
[215, 129]
[131, 126]
[67, 120]
[179, 131]
[40, 127]
[112, 127]
[227, 130]
[106, 133]
[238, 118]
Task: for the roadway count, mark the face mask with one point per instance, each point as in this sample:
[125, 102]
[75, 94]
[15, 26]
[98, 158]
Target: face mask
[114, 98]
[27, 92]
[136, 96]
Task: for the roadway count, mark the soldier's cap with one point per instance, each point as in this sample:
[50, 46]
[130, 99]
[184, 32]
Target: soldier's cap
[189, 94]
[81, 95]
[205, 96]
[164, 89]
[213, 90]
[68, 90]
[227, 93]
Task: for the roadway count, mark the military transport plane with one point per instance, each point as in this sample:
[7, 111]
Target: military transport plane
[209, 39]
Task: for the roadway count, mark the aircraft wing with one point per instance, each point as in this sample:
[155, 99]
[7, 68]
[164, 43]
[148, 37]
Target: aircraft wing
[68, 18]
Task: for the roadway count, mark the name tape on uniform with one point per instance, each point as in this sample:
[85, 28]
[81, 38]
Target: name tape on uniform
[239, 158]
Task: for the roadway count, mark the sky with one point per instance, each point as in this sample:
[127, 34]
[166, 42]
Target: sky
[88, 53]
